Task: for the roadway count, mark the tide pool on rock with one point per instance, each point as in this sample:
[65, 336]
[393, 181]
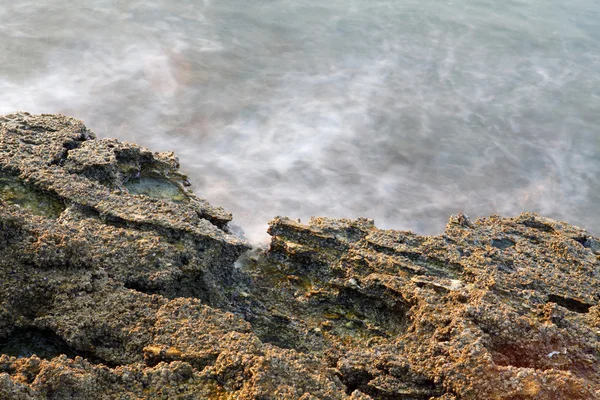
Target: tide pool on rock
[14, 191]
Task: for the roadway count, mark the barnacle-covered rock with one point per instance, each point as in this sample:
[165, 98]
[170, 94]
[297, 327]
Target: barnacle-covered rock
[116, 281]
[498, 308]
[115, 205]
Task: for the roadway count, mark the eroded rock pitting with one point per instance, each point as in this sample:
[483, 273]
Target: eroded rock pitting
[132, 287]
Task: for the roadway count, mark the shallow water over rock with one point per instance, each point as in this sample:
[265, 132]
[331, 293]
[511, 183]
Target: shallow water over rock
[157, 188]
[14, 191]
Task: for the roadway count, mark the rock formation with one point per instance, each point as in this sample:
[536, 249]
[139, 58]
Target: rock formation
[116, 281]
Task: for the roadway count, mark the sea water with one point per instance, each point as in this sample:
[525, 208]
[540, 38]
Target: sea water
[401, 111]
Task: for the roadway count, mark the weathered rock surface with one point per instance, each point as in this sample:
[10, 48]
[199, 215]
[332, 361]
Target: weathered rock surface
[118, 282]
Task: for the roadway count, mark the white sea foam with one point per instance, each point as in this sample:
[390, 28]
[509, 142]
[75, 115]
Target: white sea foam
[405, 112]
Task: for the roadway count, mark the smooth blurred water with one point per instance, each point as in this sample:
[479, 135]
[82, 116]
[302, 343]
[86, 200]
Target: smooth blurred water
[402, 111]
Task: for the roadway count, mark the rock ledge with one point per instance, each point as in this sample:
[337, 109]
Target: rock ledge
[116, 281]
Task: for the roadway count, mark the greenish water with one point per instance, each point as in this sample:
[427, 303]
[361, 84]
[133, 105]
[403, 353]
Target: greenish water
[157, 188]
[13, 191]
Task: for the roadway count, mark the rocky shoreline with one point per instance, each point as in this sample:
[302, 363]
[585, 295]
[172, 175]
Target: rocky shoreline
[117, 282]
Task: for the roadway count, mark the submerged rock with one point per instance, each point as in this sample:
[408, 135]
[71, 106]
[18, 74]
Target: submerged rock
[117, 282]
